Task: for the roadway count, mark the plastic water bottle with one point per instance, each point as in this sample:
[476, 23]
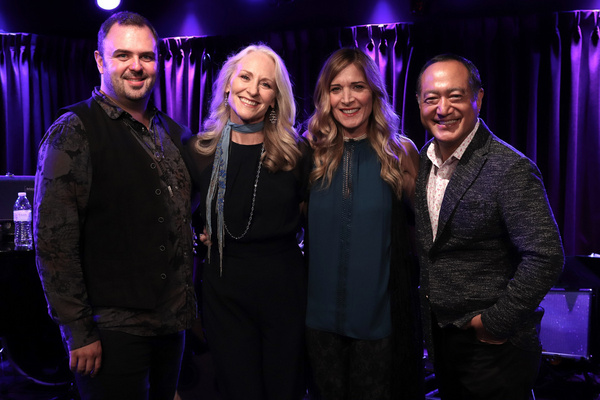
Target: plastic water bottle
[22, 219]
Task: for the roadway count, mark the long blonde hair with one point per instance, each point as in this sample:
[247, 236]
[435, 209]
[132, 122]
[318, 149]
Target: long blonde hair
[326, 134]
[280, 139]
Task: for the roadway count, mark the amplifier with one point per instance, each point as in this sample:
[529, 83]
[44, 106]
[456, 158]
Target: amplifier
[10, 185]
[568, 324]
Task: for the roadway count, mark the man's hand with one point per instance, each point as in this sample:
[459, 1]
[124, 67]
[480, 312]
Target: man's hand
[481, 333]
[86, 360]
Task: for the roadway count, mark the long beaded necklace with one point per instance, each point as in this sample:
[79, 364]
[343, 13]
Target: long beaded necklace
[262, 150]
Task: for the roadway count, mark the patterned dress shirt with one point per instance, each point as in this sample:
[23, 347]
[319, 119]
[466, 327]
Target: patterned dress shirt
[440, 175]
[64, 181]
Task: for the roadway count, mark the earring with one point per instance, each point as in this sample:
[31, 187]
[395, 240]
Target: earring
[273, 116]
[226, 100]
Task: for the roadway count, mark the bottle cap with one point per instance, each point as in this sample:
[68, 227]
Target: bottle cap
[22, 194]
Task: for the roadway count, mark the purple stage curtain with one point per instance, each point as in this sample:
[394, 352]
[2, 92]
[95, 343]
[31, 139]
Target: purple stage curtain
[189, 65]
[185, 76]
[575, 140]
[541, 79]
[38, 75]
[540, 75]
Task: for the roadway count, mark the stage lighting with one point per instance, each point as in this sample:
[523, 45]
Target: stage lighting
[277, 3]
[108, 4]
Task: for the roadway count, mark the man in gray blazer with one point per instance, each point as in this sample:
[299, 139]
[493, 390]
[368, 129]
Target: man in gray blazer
[489, 246]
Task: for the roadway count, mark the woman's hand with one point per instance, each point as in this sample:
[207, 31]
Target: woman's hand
[204, 238]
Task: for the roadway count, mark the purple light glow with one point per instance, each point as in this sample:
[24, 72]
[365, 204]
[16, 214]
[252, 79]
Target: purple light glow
[2, 24]
[191, 26]
[383, 13]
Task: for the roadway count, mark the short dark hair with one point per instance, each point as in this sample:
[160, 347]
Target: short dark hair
[474, 78]
[126, 18]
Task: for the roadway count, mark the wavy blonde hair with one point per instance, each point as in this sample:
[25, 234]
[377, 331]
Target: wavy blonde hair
[280, 139]
[326, 134]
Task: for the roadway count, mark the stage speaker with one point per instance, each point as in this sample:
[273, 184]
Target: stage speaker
[567, 325]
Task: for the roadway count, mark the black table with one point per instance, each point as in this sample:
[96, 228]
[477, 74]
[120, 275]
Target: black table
[29, 337]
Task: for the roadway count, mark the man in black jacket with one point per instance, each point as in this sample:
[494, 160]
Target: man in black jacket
[489, 246]
[112, 225]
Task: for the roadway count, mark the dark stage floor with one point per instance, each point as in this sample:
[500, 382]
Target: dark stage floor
[197, 382]
[560, 379]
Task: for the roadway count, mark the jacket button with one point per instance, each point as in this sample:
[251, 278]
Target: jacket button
[163, 276]
[161, 219]
[162, 248]
[153, 166]
[157, 192]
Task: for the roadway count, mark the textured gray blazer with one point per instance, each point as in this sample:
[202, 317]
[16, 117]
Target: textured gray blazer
[497, 250]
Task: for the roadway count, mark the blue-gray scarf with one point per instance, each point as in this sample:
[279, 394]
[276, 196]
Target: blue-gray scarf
[218, 183]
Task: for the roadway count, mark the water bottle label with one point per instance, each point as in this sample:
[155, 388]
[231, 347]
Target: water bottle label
[22, 215]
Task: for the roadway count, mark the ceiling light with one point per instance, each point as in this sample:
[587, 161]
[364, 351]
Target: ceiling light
[108, 4]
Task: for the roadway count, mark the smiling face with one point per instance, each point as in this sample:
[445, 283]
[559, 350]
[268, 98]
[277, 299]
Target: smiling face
[449, 108]
[351, 101]
[252, 88]
[128, 65]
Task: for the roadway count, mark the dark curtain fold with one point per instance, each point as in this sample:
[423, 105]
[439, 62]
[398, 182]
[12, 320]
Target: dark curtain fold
[541, 81]
[190, 65]
[38, 75]
[540, 75]
[185, 77]
[391, 48]
[577, 72]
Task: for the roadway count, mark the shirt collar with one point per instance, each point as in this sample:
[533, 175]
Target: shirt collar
[434, 154]
[111, 109]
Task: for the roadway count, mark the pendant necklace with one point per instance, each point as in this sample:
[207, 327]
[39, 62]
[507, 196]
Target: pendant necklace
[262, 150]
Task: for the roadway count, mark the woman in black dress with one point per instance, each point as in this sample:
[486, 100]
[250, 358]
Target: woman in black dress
[251, 168]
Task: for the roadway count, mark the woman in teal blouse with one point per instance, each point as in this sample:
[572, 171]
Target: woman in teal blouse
[362, 314]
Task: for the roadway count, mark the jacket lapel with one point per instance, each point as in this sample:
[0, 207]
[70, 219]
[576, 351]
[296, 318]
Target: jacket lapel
[468, 169]
[421, 207]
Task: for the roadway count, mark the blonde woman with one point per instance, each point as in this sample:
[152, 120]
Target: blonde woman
[362, 315]
[251, 169]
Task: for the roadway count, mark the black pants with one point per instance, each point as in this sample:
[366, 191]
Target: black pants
[135, 368]
[345, 368]
[254, 319]
[467, 369]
